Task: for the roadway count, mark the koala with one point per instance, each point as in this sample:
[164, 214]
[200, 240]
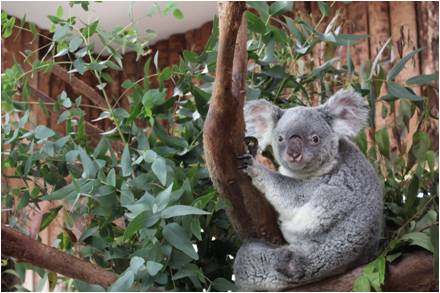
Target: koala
[327, 195]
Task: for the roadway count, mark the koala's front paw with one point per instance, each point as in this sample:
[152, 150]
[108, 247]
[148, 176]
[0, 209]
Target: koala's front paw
[244, 161]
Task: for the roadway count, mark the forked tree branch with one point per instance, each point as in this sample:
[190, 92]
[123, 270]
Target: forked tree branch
[249, 212]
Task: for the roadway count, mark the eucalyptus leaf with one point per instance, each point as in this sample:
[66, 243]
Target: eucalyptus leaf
[176, 236]
[126, 162]
[181, 210]
[159, 168]
[397, 68]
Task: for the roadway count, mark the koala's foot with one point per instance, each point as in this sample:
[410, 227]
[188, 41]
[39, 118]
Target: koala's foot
[255, 268]
[290, 265]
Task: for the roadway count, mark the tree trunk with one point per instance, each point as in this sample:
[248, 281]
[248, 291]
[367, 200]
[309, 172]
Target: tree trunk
[224, 132]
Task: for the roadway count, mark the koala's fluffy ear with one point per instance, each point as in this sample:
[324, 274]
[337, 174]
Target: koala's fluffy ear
[261, 117]
[347, 112]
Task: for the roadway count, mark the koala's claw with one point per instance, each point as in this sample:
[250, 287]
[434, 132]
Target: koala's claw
[244, 161]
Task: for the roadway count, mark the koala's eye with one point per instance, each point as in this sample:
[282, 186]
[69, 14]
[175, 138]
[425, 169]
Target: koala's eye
[280, 138]
[315, 139]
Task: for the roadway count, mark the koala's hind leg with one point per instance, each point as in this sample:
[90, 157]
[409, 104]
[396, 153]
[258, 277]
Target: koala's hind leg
[260, 267]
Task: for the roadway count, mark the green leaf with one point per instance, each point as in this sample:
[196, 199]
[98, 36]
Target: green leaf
[431, 158]
[421, 144]
[280, 7]
[383, 141]
[362, 284]
[294, 30]
[255, 24]
[376, 60]
[324, 8]
[397, 68]
[42, 132]
[23, 201]
[159, 168]
[223, 285]
[89, 30]
[60, 32]
[89, 232]
[60, 12]
[362, 142]
[135, 225]
[402, 93]
[178, 14]
[74, 44]
[419, 239]
[163, 197]
[126, 162]
[49, 217]
[176, 236]
[111, 178]
[181, 210]
[123, 283]
[165, 74]
[86, 287]
[70, 190]
[89, 169]
[422, 79]
[190, 56]
[153, 267]
[261, 7]
[79, 65]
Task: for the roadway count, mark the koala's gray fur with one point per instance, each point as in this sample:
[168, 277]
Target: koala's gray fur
[327, 194]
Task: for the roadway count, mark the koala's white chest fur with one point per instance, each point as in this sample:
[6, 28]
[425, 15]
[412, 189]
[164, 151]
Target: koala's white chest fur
[294, 221]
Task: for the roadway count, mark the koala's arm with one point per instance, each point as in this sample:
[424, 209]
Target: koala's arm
[279, 190]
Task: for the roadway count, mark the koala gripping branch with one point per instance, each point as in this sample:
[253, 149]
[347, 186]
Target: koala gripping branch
[249, 212]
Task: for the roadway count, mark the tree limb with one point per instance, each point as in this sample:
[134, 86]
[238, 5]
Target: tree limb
[224, 132]
[26, 249]
[80, 86]
[413, 272]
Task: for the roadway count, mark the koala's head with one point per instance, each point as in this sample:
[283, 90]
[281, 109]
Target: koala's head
[305, 140]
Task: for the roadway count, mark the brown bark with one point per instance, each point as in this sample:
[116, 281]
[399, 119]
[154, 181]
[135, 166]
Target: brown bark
[414, 272]
[26, 249]
[224, 141]
[358, 14]
[79, 86]
[428, 37]
[176, 44]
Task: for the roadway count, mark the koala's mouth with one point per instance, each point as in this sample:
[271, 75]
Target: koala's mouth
[296, 160]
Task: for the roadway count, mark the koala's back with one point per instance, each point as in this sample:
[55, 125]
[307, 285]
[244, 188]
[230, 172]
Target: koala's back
[361, 192]
[360, 175]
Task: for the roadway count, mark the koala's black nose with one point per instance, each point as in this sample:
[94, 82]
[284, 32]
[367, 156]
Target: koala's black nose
[295, 145]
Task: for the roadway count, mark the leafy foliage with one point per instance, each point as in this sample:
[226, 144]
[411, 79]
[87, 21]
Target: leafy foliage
[150, 211]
